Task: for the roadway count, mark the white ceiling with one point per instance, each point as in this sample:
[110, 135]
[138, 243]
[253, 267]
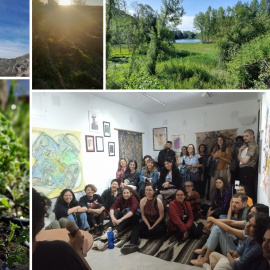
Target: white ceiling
[173, 100]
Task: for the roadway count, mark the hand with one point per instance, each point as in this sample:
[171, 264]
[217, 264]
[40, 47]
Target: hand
[185, 237]
[114, 221]
[118, 221]
[77, 241]
[165, 185]
[210, 219]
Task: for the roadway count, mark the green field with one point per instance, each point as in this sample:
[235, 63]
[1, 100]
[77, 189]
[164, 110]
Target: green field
[186, 66]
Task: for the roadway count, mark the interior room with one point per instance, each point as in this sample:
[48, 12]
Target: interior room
[94, 121]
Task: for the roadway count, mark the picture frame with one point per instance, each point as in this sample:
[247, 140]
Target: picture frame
[111, 149]
[99, 144]
[94, 123]
[106, 129]
[90, 143]
[160, 138]
[178, 141]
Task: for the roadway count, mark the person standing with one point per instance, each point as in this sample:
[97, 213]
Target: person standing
[248, 157]
[163, 154]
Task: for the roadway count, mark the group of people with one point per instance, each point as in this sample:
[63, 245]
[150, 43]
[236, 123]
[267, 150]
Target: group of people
[173, 187]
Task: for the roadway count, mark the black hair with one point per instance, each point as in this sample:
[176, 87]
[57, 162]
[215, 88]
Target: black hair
[225, 182]
[239, 138]
[144, 158]
[261, 208]
[60, 198]
[169, 142]
[261, 223]
[181, 154]
[40, 209]
[133, 192]
[205, 147]
[115, 180]
[128, 169]
[244, 197]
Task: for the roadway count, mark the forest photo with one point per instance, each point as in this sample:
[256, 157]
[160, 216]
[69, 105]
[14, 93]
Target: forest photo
[180, 44]
[67, 45]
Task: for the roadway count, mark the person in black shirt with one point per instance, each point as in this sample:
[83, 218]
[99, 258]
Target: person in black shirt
[163, 154]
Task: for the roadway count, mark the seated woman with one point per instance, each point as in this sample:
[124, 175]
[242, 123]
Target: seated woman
[131, 177]
[193, 197]
[169, 180]
[149, 174]
[246, 256]
[68, 207]
[122, 166]
[221, 202]
[181, 218]
[110, 195]
[123, 212]
[152, 224]
[95, 208]
[55, 254]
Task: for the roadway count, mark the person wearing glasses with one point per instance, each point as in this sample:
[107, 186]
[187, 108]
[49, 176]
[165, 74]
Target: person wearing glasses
[181, 218]
[193, 197]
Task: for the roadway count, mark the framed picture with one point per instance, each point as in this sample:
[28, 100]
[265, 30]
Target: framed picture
[106, 129]
[160, 138]
[99, 144]
[177, 142]
[94, 125]
[90, 143]
[111, 149]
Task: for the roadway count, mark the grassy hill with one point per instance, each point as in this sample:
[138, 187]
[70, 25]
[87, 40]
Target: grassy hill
[67, 47]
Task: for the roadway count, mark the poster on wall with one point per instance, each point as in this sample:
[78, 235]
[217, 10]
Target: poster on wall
[94, 124]
[160, 138]
[265, 154]
[56, 161]
[90, 143]
[130, 146]
[177, 142]
[209, 138]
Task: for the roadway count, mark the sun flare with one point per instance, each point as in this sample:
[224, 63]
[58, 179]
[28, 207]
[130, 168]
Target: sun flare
[64, 2]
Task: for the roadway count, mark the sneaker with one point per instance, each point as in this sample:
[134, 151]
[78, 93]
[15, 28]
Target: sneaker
[115, 234]
[127, 249]
[104, 236]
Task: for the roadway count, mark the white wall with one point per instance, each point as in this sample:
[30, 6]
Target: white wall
[69, 111]
[211, 118]
[262, 197]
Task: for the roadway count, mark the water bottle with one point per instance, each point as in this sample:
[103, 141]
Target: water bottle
[110, 238]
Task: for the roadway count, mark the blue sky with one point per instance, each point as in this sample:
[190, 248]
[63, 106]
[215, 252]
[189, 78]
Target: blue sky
[14, 28]
[191, 7]
[23, 89]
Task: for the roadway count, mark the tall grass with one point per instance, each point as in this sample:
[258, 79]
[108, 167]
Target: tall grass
[187, 66]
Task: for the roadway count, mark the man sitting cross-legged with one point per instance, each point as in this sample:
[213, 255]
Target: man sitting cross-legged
[220, 236]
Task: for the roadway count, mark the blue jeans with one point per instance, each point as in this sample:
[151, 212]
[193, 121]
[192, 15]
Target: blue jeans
[225, 240]
[83, 218]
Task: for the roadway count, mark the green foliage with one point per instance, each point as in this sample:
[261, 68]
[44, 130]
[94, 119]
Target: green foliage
[251, 67]
[142, 81]
[14, 175]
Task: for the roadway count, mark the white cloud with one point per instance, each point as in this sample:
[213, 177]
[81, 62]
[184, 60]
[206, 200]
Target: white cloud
[187, 23]
[10, 49]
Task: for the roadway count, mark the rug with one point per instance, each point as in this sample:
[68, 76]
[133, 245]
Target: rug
[167, 247]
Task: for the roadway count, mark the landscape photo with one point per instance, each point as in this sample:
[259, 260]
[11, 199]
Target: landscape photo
[67, 44]
[14, 38]
[188, 44]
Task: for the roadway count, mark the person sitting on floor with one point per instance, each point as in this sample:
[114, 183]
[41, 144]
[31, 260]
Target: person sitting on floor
[169, 180]
[181, 218]
[131, 177]
[123, 212]
[221, 202]
[152, 224]
[249, 255]
[193, 197]
[68, 207]
[95, 208]
[241, 189]
[54, 255]
[149, 174]
[110, 195]
[239, 205]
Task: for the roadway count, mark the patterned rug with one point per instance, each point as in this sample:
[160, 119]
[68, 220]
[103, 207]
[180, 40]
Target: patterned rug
[167, 247]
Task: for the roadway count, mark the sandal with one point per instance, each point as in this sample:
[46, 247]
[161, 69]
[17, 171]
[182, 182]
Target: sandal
[198, 262]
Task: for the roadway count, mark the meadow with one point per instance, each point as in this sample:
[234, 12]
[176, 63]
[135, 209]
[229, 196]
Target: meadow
[184, 66]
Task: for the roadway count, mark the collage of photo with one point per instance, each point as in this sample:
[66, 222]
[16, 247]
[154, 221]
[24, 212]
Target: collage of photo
[134, 134]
